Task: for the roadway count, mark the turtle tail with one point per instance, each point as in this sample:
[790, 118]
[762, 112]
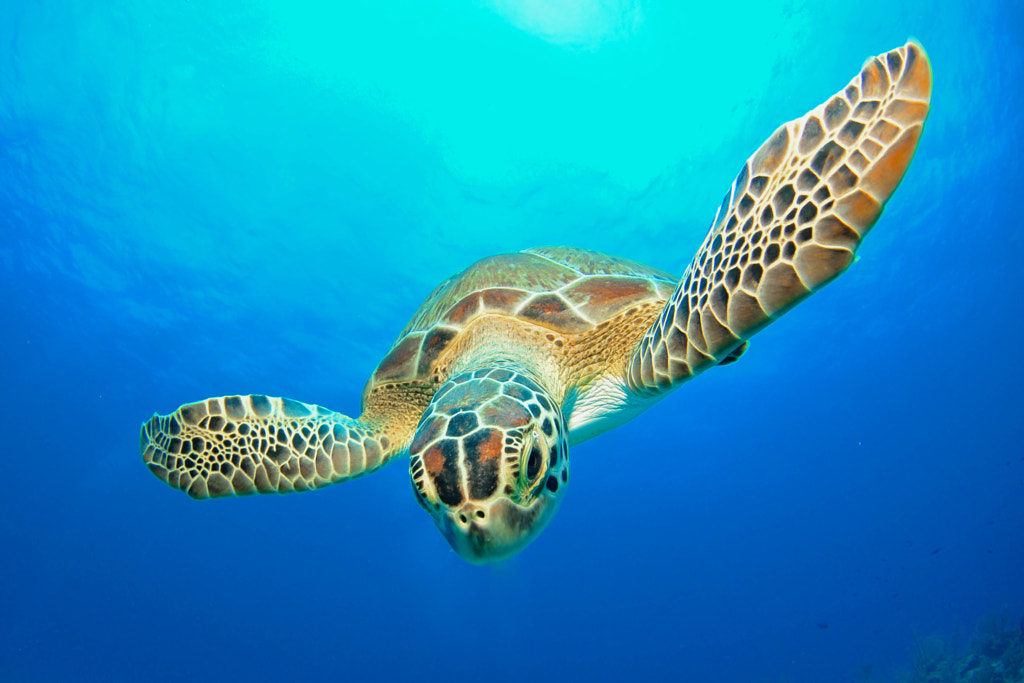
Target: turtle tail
[238, 445]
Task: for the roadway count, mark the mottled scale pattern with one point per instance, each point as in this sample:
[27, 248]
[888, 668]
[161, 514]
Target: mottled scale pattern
[792, 219]
[470, 441]
[566, 290]
[238, 445]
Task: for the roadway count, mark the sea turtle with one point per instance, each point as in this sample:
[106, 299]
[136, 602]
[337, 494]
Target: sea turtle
[511, 361]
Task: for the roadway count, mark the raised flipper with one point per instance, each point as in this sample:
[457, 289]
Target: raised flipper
[237, 445]
[792, 219]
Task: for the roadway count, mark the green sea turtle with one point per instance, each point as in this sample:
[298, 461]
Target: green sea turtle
[519, 356]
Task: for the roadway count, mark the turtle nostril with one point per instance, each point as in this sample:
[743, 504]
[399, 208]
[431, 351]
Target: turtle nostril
[471, 512]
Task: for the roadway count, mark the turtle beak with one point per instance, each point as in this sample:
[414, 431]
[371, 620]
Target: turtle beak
[485, 533]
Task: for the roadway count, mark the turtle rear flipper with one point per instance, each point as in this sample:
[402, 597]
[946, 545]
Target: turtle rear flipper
[792, 219]
[238, 445]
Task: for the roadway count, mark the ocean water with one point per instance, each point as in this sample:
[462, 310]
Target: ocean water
[206, 198]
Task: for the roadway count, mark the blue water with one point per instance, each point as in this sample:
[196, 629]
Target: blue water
[199, 200]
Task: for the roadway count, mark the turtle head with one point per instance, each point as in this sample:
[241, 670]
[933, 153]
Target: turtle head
[489, 462]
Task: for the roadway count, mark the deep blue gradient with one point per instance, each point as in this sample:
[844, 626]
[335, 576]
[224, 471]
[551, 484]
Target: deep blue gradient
[204, 200]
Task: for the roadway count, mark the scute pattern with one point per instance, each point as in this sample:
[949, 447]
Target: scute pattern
[474, 424]
[237, 445]
[569, 291]
[792, 219]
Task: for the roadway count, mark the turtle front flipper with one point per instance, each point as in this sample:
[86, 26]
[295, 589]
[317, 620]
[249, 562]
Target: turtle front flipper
[792, 219]
[237, 445]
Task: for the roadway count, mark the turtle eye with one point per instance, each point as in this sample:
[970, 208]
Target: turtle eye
[533, 463]
[532, 460]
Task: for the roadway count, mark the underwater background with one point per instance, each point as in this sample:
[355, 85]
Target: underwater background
[210, 198]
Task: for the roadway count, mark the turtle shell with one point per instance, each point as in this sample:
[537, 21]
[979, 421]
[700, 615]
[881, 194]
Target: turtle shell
[563, 289]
